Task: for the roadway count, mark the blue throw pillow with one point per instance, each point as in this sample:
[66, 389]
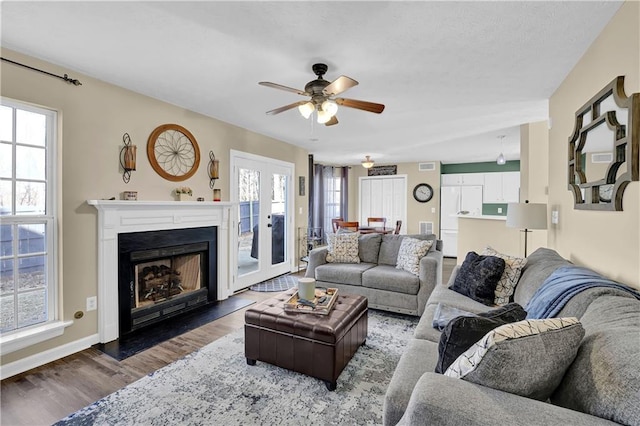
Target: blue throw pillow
[478, 277]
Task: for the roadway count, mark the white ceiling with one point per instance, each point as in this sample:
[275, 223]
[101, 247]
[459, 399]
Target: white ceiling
[453, 75]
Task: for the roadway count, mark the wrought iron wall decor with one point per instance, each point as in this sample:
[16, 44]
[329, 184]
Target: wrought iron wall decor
[214, 172]
[606, 127]
[127, 158]
[173, 152]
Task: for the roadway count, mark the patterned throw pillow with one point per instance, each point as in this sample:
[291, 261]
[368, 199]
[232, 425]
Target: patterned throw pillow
[343, 248]
[410, 253]
[526, 358]
[509, 279]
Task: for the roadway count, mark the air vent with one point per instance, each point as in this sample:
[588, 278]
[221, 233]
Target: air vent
[427, 167]
[426, 227]
[603, 157]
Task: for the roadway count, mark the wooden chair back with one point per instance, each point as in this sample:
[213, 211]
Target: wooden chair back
[377, 221]
[334, 223]
[351, 226]
[398, 225]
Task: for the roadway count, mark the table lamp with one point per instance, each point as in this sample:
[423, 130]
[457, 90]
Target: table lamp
[526, 216]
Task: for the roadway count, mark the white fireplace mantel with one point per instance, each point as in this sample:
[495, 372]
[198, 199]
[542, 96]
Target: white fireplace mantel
[117, 217]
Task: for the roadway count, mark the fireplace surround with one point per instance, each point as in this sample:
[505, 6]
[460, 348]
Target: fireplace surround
[117, 217]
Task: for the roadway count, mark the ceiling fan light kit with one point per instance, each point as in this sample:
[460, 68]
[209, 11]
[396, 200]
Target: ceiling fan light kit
[367, 163]
[323, 100]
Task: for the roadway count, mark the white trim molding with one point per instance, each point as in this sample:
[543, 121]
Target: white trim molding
[116, 217]
[30, 336]
[41, 358]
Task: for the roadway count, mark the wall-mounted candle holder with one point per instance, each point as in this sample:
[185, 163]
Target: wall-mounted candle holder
[127, 158]
[213, 169]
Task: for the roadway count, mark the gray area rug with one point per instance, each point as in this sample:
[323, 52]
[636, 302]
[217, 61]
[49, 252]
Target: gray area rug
[216, 386]
[279, 284]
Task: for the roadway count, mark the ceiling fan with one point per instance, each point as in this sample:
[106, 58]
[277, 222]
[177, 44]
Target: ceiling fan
[323, 100]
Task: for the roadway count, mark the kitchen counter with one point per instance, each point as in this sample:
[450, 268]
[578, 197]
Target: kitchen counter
[482, 217]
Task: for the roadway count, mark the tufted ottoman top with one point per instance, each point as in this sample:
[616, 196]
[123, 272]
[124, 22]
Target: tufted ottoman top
[270, 314]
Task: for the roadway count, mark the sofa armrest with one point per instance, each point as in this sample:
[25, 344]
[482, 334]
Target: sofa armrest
[454, 273]
[317, 257]
[430, 276]
[441, 400]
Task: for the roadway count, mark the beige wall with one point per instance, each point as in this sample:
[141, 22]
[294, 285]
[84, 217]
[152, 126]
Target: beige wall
[93, 119]
[416, 211]
[608, 242]
[476, 234]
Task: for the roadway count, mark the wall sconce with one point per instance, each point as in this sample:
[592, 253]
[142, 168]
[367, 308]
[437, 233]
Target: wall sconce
[213, 169]
[127, 158]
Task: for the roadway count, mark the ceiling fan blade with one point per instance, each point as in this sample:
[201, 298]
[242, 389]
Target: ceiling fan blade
[285, 108]
[339, 85]
[363, 105]
[285, 88]
[333, 120]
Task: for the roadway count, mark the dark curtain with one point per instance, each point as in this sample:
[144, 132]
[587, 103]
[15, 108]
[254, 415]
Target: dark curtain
[322, 213]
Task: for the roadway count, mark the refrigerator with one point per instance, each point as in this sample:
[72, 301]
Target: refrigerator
[457, 201]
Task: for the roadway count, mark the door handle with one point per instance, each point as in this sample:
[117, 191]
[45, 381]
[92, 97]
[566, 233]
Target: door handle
[269, 225]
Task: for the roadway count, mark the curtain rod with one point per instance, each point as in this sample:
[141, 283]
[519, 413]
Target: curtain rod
[66, 78]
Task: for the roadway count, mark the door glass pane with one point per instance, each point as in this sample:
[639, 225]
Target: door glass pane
[30, 163]
[32, 307]
[31, 128]
[6, 123]
[30, 198]
[6, 160]
[278, 212]
[6, 200]
[249, 199]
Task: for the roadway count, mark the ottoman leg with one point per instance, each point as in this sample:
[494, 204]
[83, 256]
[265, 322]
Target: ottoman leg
[251, 361]
[331, 385]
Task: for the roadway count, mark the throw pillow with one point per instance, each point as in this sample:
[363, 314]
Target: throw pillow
[526, 358]
[462, 332]
[478, 277]
[410, 253]
[509, 279]
[343, 248]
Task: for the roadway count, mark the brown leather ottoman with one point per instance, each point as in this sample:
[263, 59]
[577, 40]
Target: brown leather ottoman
[316, 345]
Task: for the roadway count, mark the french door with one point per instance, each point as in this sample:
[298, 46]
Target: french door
[263, 189]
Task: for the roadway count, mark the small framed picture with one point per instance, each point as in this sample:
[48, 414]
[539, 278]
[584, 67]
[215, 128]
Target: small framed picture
[301, 190]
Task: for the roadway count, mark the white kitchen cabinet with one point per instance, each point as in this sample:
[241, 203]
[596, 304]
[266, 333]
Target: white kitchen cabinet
[465, 179]
[501, 187]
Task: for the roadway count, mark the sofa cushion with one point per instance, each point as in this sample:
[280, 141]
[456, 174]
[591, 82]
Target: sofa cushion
[478, 277]
[603, 379]
[462, 332]
[342, 273]
[385, 277]
[410, 253]
[527, 358]
[512, 270]
[540, 264]
[390, 246]
[369, 247]
[442, 294]
[343, 248]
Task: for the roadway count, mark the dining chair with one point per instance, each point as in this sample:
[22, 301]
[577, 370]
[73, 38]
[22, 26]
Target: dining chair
[398, 225]
[377, 221]
[350, 226]
[334, 223]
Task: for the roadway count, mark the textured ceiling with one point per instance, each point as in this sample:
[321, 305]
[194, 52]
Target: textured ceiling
[453, 75]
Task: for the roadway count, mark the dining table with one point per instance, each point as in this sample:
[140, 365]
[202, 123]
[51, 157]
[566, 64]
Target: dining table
[375, 230]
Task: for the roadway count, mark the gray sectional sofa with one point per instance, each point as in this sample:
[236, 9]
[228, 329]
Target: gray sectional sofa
[376, 276]
[601, 386]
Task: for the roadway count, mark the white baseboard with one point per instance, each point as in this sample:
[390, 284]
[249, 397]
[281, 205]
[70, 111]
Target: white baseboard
[47, 356]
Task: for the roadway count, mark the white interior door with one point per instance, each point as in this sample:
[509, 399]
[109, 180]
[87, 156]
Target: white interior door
[263, 189]
[384, 196]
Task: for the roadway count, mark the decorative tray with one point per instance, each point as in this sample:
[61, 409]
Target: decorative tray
[321, 304]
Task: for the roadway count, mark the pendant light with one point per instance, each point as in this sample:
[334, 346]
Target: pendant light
[501, 160]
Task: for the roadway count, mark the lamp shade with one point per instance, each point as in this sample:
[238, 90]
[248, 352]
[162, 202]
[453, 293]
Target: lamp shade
[527, 216]
[367, 163]
[306, 109]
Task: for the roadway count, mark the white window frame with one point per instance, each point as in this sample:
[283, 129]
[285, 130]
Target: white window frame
[53, 326]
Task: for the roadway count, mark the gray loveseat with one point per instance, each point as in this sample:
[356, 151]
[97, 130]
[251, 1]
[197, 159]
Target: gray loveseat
[601, 386]
[376, 276]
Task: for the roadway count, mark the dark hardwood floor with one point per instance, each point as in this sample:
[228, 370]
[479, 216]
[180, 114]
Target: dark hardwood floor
[43, 395]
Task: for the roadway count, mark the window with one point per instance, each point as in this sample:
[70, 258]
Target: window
[332, 198]
[27, 217]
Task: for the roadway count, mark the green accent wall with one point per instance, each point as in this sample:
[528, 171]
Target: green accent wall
[509, 166]
[492, 209]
